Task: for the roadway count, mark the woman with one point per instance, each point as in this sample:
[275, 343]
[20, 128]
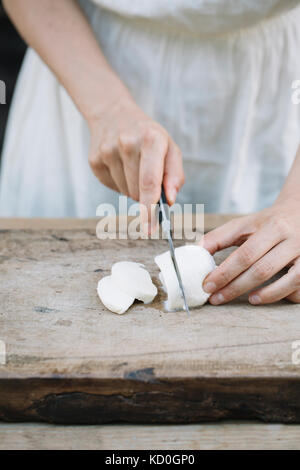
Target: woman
[215, 76]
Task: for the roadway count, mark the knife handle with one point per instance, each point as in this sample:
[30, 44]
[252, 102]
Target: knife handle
[163, 195]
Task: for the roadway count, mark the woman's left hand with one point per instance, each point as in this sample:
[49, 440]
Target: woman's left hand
[268, 242]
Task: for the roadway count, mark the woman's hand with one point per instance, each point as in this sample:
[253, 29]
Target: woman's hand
[133, 155]
[268, 242]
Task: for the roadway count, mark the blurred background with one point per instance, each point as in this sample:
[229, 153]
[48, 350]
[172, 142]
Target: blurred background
[12, 50]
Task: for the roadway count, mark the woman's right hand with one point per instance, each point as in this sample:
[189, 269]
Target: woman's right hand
[134, 155]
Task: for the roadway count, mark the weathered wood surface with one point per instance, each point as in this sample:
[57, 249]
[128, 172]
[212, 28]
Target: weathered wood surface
[221, 436]
[69, 360]
[211, 221]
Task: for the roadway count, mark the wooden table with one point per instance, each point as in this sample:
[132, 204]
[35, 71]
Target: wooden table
[209, 436]
[70, 361]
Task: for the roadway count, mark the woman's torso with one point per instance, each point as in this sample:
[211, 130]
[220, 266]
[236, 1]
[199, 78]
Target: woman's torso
[216, 73]
[218, 76]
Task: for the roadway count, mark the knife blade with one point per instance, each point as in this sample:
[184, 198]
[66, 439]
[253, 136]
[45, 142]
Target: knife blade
[164, 220]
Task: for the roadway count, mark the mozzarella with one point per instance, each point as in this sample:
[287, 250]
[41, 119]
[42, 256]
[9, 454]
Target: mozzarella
[194, 263]
[113, 297]
[128, 281]
[135, 280]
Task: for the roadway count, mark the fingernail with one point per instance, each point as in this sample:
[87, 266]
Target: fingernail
[210, 287]
[217, 299]
[255, 299]
[201, 241]
[172, 195]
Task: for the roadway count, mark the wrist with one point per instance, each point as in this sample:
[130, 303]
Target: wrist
[104, 99]
[287, 196]
[290, 192]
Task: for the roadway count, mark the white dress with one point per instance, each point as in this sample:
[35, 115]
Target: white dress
[216, 73]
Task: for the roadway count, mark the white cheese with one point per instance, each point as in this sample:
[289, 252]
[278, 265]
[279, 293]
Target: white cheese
[194, 263]
[128, 281]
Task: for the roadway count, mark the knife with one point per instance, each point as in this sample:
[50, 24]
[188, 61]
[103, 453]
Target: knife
[164, 220]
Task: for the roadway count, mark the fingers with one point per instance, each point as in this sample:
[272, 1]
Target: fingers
[129, 148]
[243, 257]
[136, 162]
[288, 286]
[111, 159]
[230, 234]
[257, 274]
[102, 173]
[173, 173]
[295, 297]
[153, 154]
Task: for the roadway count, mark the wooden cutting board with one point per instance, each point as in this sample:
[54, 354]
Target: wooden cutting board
[69, 360]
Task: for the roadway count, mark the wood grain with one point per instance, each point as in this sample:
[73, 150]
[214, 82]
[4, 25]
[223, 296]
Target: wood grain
[222, 436]
[211, 221]
[69, 360]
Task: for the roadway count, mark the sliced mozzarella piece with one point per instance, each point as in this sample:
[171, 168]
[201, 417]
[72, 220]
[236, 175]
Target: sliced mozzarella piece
[113, 297]
[135, 280]
[128, 281]
[194, 263]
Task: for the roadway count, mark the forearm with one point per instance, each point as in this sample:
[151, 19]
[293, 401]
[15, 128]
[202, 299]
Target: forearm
[291, 188]
[61, 35]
